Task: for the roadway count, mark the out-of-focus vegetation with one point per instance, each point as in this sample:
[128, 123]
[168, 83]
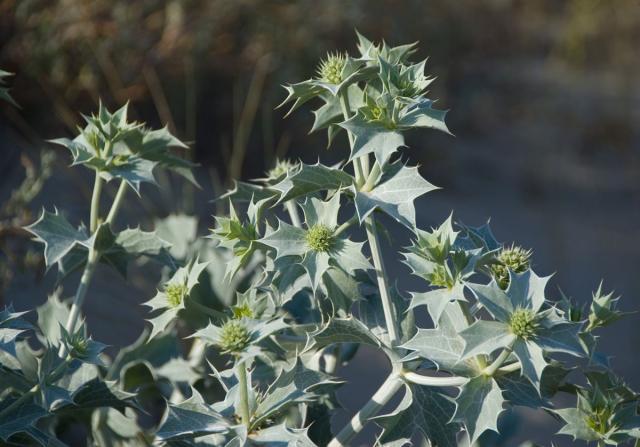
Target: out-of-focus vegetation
[211, 69]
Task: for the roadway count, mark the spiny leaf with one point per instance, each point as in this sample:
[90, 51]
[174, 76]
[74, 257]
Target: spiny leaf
[478, 406]
[394, 194]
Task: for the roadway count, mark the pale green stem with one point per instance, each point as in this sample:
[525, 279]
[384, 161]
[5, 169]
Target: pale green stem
[372, 178]
[497, 363]
[381, 276]
[95, 203]
[374, 245]
[293, 213]
[244, 393]
[345, 225]
[358, 168]
[386, 391]
[434, 381]
[117, 202]
[81, 293]
[92, 258]
[512, 367]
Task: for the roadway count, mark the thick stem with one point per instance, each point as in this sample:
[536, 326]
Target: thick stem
[244, 393]
[93, 256]
[81, 293]
[345, 226]
[386, 391]
[117, 202]
[293, 213]
[372, 178]
[95, 203]
[497, 363]
[381, 275]
[434, 381]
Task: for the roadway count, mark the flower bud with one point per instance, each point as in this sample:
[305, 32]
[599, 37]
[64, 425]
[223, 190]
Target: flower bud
[175, 293]
[330, 69]
[235, 336]
[513, 258]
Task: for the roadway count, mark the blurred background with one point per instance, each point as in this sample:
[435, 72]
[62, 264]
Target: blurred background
[545, 105]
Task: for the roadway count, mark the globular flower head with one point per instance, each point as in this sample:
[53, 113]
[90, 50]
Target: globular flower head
[523, 323]
[330, 68]
[235, 336]
[78, 345]
[281, 168]
[513, 258]
[320, 238]
[175, 293]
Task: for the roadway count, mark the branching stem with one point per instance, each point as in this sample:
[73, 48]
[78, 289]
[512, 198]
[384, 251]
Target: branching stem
[95, 203]
[387, 390]
[434, 381]
[497, 363]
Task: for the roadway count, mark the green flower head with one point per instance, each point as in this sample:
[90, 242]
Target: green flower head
[235, 336]
[523, 323]
[282, 167]
[320, 238]
[513, 258]
[78, 345]
[242, 311]
[176, 293]
[330, 68]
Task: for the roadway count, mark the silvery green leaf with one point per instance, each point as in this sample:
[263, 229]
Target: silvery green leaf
[180, 231]
[562, 337]
[287, 240]
[343, 290]
[20, 419]
[154, 352]
[281, 436]
[190, 419]
[315, 264]
[526, 290]
[321, 212]
[518, 390]
[12, 325]
[370, 311]
[421, 113]
[57, 235]
[577, 425]
[165, 311]
[342, 330]
[306, 179]
[604, 309]
[478, 406]
[494, 299]
[437, 300]
[135, 171]
[532, 360]
[300, 93]
[443, 347]
[51, 316]
[423, 411]
[485, 337]
[330, 113]
[291, 387]
[394, 194]
[372, 137]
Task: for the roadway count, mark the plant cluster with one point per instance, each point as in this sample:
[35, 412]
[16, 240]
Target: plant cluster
[273, 301]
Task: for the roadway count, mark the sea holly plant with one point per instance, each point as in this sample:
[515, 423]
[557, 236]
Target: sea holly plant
[249, 326]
